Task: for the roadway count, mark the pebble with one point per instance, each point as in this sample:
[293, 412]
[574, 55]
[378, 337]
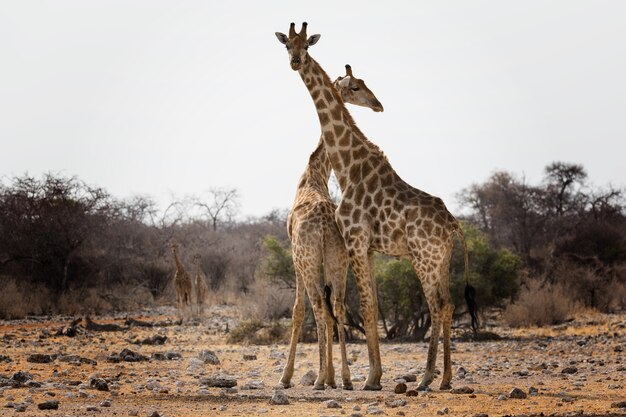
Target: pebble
[443, 411]
[92, 408]
[400, 388]
[49, 405]
[569, 370]
[219, 381]
[308, 379]
[105, 403]
[332, 404]
[517, 394]
[462, 390]
[279, 398]
[208, 356]
[39, 358]
[412, 393]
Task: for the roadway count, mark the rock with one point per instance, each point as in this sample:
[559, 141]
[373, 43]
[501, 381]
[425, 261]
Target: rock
[49, 405]
[374, 410]
[157, 339]
[21, 407]
[99, 384]
[254, 384]
[400, 388]
[249, 357]
[219, 381]
[279, 398]
[332, 404]
[171, 355]
[39, 358]
[409, 377]
[461, 371]
[481, 415]
[208, 356]
[569, 370]
[92, 408]
[309, 378]
[4, 358]
[133, 413]
[128, 355]
[154, 414]
[105, 403]
[517, 394]
[396, 403]
[533, 391]
[412, 393]
[618, 404]
[443, 411]
[21, 376]
[462, 390]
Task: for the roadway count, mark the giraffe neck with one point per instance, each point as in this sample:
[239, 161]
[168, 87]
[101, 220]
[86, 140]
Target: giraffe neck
[345, 144]
[179, 265]
[317, 172]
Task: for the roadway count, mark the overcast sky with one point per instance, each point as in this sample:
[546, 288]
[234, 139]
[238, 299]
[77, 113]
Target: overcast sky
[159, 98]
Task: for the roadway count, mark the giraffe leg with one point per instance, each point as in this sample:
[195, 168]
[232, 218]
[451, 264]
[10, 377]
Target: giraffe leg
[336, 272]
[447, 364]
[296, 327]
[361, 268]
[320, 320]
[435, 329]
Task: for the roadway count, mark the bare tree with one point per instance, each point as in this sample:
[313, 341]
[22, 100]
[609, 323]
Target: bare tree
[220, 204]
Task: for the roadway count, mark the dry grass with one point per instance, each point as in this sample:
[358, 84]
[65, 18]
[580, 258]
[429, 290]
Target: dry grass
[539, 305]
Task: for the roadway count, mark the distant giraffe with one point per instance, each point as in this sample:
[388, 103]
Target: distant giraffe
[380, 212]
[182, 282]
[202, 288]
[316, 242]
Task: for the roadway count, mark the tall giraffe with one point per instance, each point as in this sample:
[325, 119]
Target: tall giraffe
[202, 288]
[380, 212]
[316, 242]
[182, 282]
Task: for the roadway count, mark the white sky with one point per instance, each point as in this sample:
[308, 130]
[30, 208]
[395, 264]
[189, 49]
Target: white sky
[160, 98]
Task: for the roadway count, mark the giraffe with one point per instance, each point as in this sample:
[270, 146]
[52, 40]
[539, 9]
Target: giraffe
[316, 243]
[379, 212]
[201, 286]
[182, 282]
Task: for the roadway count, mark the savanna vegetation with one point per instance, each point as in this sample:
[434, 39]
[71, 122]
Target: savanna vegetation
[537, 251]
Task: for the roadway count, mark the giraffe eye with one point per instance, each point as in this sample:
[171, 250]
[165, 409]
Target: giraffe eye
[355, 88]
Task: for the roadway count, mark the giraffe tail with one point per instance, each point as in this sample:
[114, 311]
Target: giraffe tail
[329, 305]
[470, 291]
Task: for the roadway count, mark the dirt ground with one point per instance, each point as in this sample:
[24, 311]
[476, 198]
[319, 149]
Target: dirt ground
[571, 369]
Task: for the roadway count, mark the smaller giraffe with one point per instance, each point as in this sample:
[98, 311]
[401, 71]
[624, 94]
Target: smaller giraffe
[201, 286]
[182, 282]
[316, 244]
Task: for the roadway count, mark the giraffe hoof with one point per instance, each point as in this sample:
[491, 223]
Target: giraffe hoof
[331, 385]
[319, 387]
[445, 387]
[348, 386]
[372, 387]
[285, 385]
[423, 388]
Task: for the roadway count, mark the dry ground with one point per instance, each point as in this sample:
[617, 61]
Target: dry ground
[575, 368]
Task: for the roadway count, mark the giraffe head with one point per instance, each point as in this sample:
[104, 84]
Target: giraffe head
[297, 45]
[196, 258]
[354, 91]
[174, 246]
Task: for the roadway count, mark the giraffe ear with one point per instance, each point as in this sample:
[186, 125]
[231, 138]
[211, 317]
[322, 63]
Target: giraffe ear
[313, 39]
[282, 38]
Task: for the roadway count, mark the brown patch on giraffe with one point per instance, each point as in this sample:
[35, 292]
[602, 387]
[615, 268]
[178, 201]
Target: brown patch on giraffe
[355, 173]
[367, 201]
[378, 198]
[359, 153]
[356, 216]
[359, 193]
[315, 94]
[372, 184]
[336, 162]
[315, 69]
[321, 104]
[335, 112]
[329, 138]
[339, 129]
[373, 212]
[344, 141]
[427, 211]
[328, 96]
[345, 157]
[324, 119]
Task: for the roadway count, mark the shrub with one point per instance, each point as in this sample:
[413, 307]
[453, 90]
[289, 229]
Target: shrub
[256, 332]
[539, 305]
